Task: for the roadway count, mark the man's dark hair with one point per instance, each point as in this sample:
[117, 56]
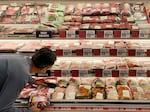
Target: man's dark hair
[44, 57]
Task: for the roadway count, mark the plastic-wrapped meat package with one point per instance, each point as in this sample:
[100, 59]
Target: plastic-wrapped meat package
[108, 44]
[91, 19]
[138, 93]
[125, 9]
[111, 81]
[111, 93]
[138, 7]
[3, 7]
[28, 30]
[122, 81]
[84, 26]
[78, 9]
[120, 44]
[24, 19]
[139, 16]
[26, 92]
[75, 81]
[12, 11]
[85, 65]
[96, 9]
[133, 64]
[84, 92]
[87, 80]
[86, 44]
[51, 82]
[95, 26]
[72, 18]
[97, 45]
[97, 65]
[64, 65]
[111, 65]
[31, 47]
[69, 9]
[98, 82]
[98, 93]
[107, 19]
[107, 61]
[133, 45]
[59, 93]
[74, 45]
[75, 65]
[70, 92]
[8, 20]
[56, 65]
[132, 82]
[74, 28]
[147, 91]
[41, 97]
[115, 8]
[105, 8]
[62, 81]
[124, 92]
[10, 46]
[27, 10]
[42, 10]
[122, 65]
[87, 9]
[107, 26]
[35, 19]
[128, 19]
[143, 81]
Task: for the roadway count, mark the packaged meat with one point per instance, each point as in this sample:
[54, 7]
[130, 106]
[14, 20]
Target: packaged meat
[87, 9]
[58, 93]
[108, 44]
[70, 92]
[105, 8]
[24, 19]
[132, 82]
[73, 19]
[91, 19]
[142, 81]
[85, 65]
[69, 9]
[51, 82]
[98, 64]
[146, 89]
[65, 65]
[42, 10]
[107, 19]
[95, 26]
[75, 81]
[138, 93]
[8, 20]
[12, 11]
[133, 45]
[84, 26]
[3, 7]
[121, 66]
[122, 81]
[26, 92]
[111, 93]
[8, 31]
[84, 92]
[115, 8]
[111, 66]
[98, 82]
[132, 63]
[98, 93]
[124, 92]
[27, 10]
[107, 26]
[75, 65]
[120, 44]
[78, 9]
[87, 80]
[96, 9]
[62, 81]
[111, 81]
[125, 9]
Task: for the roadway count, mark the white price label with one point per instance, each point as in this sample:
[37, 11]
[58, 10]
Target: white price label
[60, 96]
[99, 96]
[105, 52]
[65, 73]
[83, 73]
[141, 73]
[126, 93]
[67, 52]
[123, 73]
[90, 33]
[71, 95]
[70, 34]
[122, 52]
[87, 52]
[140, 52]
[108, 34]
[143, 33]
[107, 73]
[125, 33]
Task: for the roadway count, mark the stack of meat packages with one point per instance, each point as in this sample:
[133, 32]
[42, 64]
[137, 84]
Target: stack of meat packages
[103, 16]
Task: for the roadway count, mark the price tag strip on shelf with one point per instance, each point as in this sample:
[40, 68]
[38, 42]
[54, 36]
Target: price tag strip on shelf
[105, 52]
[70, 34]
[125, 34]
[141, 73]
[87, 52]
[107, 73]
[67, 52]
[123, 73]
[90, 34]
[83, 73]
[65, 73]
[144, 33]
[140, 52]
[122, 52]
[108, 34]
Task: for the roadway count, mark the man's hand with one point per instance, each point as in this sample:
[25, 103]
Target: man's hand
[40, 82]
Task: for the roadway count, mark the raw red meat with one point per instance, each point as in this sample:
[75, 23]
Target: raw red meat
[69, 9]
[87, 10]
[78, 9]
[8, 20]
[12, 11]
[105, 8]
[96, 9]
